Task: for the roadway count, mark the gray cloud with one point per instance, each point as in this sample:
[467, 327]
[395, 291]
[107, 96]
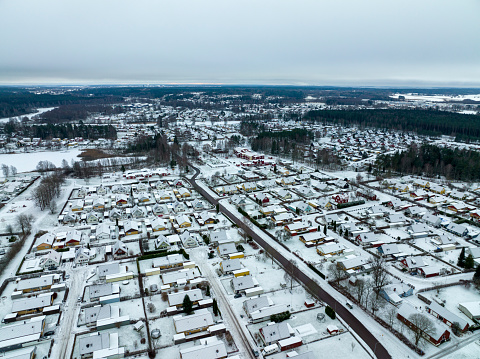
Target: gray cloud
[373, 42]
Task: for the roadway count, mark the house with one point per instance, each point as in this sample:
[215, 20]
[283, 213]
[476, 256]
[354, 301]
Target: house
[211, 348]
[298, 228]
[130, 227]
[352, 263]
[447, 316]
[159, 209]
[17, 335]
[32, 304]
[198, 204]
[388, 249]
[249, 186]
[162, 243]
[366, 238]
[238, 200]
[35, 284]
[101, 190]
[193, 323]
[77, 206]
[102, 232]
[284, 194]
[97, 291]
[188, 241]
[432, 220]
[115, 214]
[413, 263]
[121, 200]
[436, 336]
[265, 313]
[52, 260]
[183, 221]
[274, 332]
[330, 248]
[100, 345]
[287, 181]
[176, 299]
[394, 292]
[429, 271]
[300, 207]
[229, 265]
[305, 191]
[254, 304]
[82, 256]
[240, 284]
[262, 198]
[207, 217]
[159, 224]
[108, 268]
[457, 229]
[120, 249]
[470, 309]
[283, 218]
[183, 192]
[418, 230]
[44, 242]
[94, 217]
[137, 212]
[98, 204]
[226, 248]
[69, 218]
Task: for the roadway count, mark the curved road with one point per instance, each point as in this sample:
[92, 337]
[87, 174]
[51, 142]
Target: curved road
[377, 348]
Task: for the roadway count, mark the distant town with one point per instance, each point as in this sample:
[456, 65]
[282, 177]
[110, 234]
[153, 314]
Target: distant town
[239, 222]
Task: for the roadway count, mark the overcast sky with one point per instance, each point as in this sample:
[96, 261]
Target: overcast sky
[295, 42]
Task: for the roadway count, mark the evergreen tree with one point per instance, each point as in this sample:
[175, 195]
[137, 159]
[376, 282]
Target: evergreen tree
[476, 276]
[325, 230]
[461, 258]
[469, 263]
[215, 308]
[207, 291]
[187, 305]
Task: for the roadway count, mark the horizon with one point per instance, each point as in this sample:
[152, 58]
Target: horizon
[274, 43]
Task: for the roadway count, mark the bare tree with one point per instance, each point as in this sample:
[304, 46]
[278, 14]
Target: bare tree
[379, 274]
[360, 290]
[5, 170]
[391, 315]
[25, 222]
[289, 273]
[422, 326]
[335, 272]
[52, 207]
[13, 170]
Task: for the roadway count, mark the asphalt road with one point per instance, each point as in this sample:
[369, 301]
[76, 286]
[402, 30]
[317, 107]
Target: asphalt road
[377, 348]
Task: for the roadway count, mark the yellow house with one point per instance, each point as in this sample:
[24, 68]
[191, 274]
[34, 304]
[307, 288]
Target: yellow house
[183, 221]
[241, 272]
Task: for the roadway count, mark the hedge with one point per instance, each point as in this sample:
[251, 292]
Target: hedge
[330, 312]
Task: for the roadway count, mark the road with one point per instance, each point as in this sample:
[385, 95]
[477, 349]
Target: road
[70, 314]
[302, 275]
[228, 315]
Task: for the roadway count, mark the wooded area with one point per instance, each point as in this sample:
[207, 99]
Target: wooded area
[431, 160]
[424, 122]
[49, 131]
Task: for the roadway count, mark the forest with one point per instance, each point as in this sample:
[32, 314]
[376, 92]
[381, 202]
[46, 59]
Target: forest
[424, 122]
[68, 130]
[67, 113]
[431, 160]
[20, 101]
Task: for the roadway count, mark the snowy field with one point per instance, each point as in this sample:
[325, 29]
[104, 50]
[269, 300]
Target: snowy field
[26, 162]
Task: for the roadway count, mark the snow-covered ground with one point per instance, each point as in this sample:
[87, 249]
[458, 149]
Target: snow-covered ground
[25, 162]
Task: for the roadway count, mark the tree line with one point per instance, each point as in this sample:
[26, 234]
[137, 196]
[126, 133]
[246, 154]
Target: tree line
[68, 130]
[425, 122]
[17, 101]
[431, 160]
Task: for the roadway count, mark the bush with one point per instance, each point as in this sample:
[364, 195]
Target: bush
[330, 312]
[280, 317]
[12, 239]
[143, 341]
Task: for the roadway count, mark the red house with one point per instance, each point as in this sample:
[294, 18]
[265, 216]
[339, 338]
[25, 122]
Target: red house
[437, 336]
